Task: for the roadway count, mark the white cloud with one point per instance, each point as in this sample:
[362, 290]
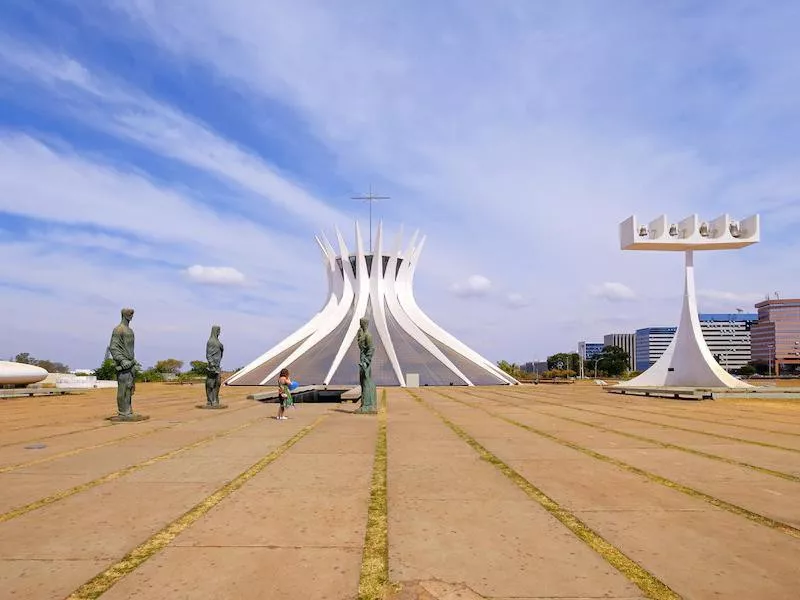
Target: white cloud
[215, 275]
[613, 291]
[474, 286]
[729, 300]
[109, 105]
[515, 300]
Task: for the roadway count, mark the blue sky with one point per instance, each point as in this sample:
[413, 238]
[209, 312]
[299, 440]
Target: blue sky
[179, 158]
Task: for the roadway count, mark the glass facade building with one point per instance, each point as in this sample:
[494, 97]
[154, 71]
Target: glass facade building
[728, 337]
[651, 342]
[776, 335]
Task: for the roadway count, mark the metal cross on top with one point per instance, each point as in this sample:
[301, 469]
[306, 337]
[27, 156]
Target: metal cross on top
[371, 198]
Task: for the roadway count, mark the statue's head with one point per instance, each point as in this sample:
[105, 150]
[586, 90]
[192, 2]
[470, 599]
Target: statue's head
[127, 313]
[215, 331]
[364, 323]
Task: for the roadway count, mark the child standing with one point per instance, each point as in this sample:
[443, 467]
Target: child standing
[284, 395]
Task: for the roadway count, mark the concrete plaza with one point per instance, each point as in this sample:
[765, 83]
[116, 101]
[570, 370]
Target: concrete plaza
[506, 492]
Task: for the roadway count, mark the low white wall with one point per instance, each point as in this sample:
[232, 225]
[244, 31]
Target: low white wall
[82, 382]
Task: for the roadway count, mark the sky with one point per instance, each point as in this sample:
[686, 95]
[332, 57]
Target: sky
[179, 157]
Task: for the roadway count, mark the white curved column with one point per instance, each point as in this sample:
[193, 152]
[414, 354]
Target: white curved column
[408, 302]
[360, 301]
[408, 325]
[377, 300]
[306, 330]
[326, 324]
[687, 360]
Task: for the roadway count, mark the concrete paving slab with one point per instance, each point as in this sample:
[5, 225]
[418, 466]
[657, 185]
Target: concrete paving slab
[11, 455]
[497, 548]
[283, 518]
[40, 579]
[767, 495]
[94, 463]
[339, 444]
[433, 480]
[19, 489]
[205, 465]
[312, 472]
[233, 573]
[573, 432]
[706, 556]
[770, 458]
[719, 429]
[28, 434]
[584, 484]
[777, 460]
[100, 524]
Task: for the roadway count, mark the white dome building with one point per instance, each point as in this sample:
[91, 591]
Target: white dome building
[14, 373]
[378, 286]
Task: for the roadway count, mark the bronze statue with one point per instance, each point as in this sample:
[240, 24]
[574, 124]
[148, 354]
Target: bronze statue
[121, 350]
[367, 350]
[214, 350]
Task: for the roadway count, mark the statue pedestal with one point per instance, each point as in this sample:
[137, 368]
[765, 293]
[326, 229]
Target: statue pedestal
[134, 418]
[211, 406]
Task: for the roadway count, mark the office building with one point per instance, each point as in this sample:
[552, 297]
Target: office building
[776, 335]
[728, 337]
[587, 350]
[651, 342]
[626, 341]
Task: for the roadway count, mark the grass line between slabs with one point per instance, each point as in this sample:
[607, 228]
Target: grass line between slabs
[102, 582]
[51, 499]
[652, 587]
[676, 427]
[654, 441]
[684, 489]
[374, 579]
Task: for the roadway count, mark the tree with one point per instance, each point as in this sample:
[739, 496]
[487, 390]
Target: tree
[569, 361]
[169, 366]
[747, 371]
[107, 371]
[48, 365]
[761, 367]
[613, 361]
[198, 367]
[52, 367]
[149, 375]
[513, 369]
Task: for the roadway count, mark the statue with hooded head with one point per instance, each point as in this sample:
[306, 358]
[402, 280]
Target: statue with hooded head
[366, 352]
[214, 350]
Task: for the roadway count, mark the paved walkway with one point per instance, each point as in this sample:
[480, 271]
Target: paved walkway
[525, 492]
